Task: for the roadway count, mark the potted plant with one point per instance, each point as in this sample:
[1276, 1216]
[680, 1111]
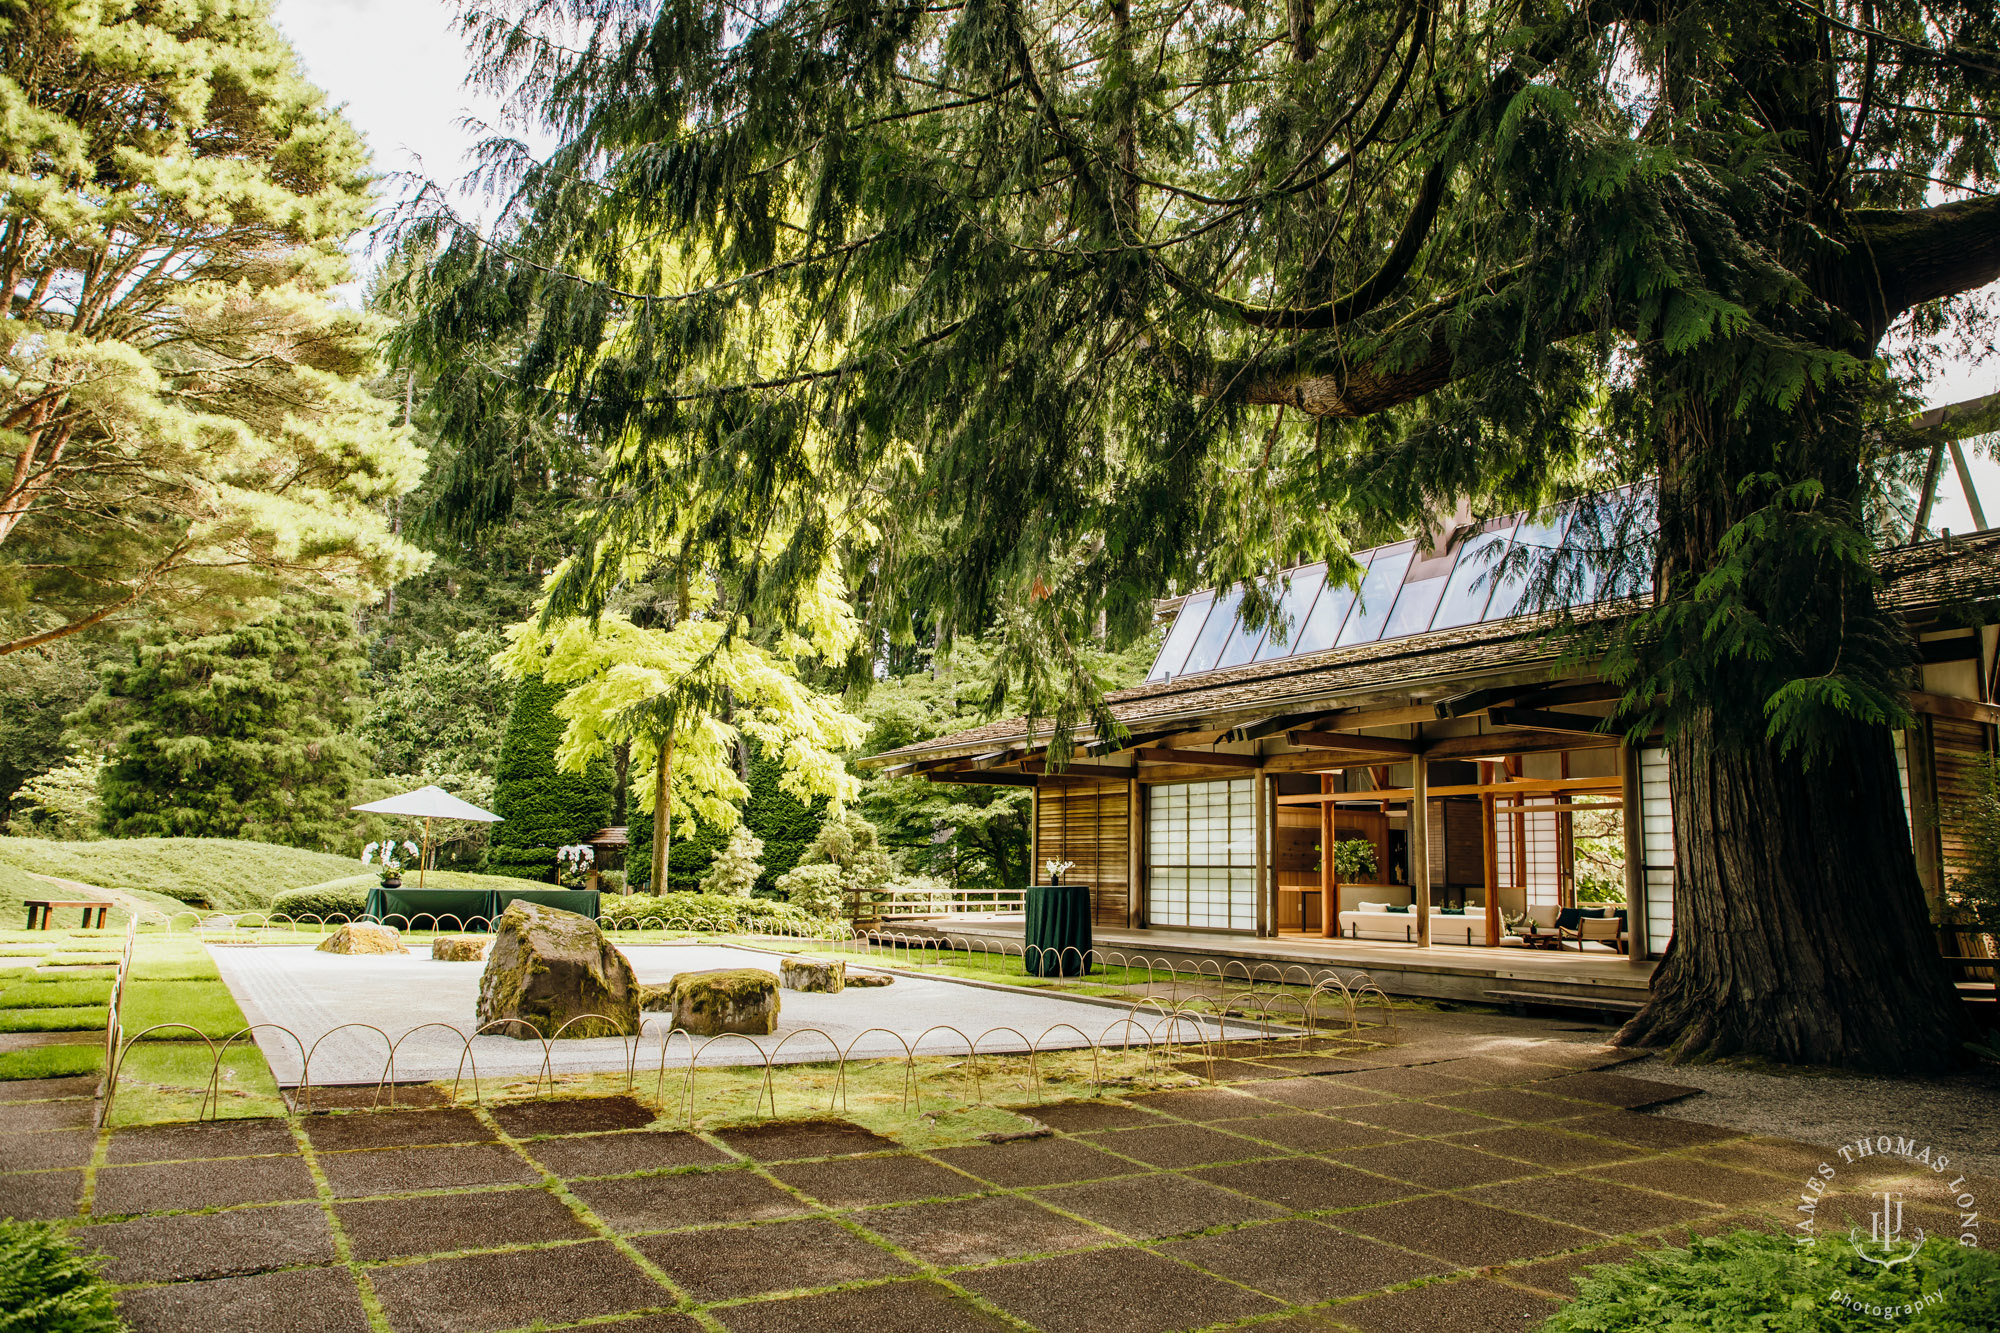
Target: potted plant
[1056, 869]
[391, 860]
[575, 865]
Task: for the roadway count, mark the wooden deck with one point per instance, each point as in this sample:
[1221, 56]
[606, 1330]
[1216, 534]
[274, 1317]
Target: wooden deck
[1442, 971]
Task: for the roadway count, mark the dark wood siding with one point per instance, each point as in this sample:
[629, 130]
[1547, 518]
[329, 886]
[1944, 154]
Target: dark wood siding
[1961, 749]
[1092, 827]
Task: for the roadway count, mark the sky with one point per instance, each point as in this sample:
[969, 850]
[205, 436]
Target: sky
[399, 68]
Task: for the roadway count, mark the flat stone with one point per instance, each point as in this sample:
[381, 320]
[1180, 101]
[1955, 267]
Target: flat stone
[555, 973]
[1156, 1206]
[1307, 1132]
[1545, 1147]
[184, 1186]
[1474, 1305]
[1318, 1094]
[1617, 1089]
[458, 949]
[209, 1138]
[24, 1117]
[1416, 1118]
[366, 1097]
[1422, 1081]
[442, 1223]
[1031, 1162]
[1182, 1145]
[780, 1256]
[866, 979]
[494, 1291]
[47, 1149]
[395, 1129]
[1700, 1180]
[1560, 1275]
[1586, 1201]
[78, 1086]
[1516, 1104]
[40, 1196]
[302, 1300]
[363, 937]
[856, 1182]
[395, 1170]
[1299, 1260]
[691, 1198]
[893, 1307]
[622, 1154]
[819, 975]
[1306, 1184]
[978, 1231]
[1082, 1117]
[1464, 1233]
[1436, 1164]
[725, 999]
[211, 1245]
[572, 1115]
[1650, 1131]
[789, 1140]
[1200, 1104]
[1115, 1291]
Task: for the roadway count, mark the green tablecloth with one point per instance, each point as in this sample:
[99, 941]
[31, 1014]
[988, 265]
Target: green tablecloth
[1057, 943]
[467, 909]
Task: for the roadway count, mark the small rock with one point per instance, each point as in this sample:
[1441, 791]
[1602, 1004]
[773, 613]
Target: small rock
[826, 975]
[364, 937]
[869, 979]
[458, 949]
[725, 999]
[548, 967]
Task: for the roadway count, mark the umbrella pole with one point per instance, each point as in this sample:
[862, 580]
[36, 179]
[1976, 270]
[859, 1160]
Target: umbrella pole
[424, 857]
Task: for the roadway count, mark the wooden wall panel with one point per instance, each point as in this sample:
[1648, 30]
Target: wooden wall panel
[1961, 748]
[1092, 827]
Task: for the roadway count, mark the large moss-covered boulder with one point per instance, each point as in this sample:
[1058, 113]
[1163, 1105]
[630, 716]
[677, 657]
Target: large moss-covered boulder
[656, 999]
[827, 975]
[725, 999]
[363, 937]
[458, 949]
[548, 966]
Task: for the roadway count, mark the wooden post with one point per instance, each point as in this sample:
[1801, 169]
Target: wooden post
[1135, 849]
[663, 813]
[1420, 846]
[1489, 858]
[1632, 817]
[1035, 833]
[1920, 753]
[1260, 832]
[1329, 883]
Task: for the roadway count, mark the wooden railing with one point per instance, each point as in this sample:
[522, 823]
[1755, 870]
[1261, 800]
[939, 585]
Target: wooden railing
[963, 903]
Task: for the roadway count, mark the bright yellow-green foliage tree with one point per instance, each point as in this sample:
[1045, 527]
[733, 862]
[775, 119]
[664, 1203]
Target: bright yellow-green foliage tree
[183, 422]
[682, 694]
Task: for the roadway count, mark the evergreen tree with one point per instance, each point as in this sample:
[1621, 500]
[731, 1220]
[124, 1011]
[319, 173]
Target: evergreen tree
[783, 823]
[736, 868]
[247, 733]
[1097, 304]
[841, 870]
[542, 806]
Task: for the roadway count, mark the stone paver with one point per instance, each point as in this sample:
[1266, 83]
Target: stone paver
[1373, 1187]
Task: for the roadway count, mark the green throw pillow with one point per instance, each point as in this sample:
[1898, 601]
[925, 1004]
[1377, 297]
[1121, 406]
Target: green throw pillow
[1452, 911]
[1399, 909]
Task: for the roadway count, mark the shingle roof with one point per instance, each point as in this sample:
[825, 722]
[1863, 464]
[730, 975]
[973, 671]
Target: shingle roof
[1917, 580]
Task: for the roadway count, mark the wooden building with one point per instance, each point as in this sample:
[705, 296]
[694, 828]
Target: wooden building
[1251, 752]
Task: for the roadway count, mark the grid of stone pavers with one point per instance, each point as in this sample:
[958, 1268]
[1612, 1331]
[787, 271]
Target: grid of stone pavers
[1450, 1181]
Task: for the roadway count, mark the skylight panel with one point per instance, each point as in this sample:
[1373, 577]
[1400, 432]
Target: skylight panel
[1378, 594]
[1297, 605]
[1471, 587]
[1214, 636]
[1535, 535]
[1322, 628]
[1187, 625]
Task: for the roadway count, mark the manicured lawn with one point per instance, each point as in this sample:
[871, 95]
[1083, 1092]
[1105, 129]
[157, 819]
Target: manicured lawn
[164, 1081]
[436, 879]
[54, 994]
[229, 875]
[77, 1019]
[63, 1061]
[204, 1005]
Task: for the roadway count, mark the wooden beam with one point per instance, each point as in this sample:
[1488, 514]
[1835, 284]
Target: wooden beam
[1001, 756]
[1163, 755]
[985, 778]
[1541, 719]
[1513, 742]
[1475, 701]
[1098, 749]
[1121, 773]
[1272, 726]
[1945, 705]
[1331, 740]
[1420, 846]
[1528, 787]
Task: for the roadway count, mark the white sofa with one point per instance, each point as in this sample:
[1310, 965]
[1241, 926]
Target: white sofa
[1372, 921]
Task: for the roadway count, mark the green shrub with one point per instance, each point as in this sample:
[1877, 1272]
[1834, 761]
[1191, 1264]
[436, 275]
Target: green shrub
[699, 911]
[785, 824]
[1759, 1280]
[46, 1286]
[325, 901]
[542, 807]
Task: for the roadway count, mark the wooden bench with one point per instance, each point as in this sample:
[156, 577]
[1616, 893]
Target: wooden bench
[41, 909]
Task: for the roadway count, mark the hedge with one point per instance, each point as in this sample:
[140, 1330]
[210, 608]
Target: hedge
[699, 911]
[542, 807]
[323, 901]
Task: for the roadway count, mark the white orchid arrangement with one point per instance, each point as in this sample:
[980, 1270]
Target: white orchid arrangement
[1055, 870]
[392, 863]
[574, 862]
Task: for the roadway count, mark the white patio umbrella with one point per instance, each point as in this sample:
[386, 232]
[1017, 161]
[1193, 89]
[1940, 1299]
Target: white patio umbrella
[428, 803]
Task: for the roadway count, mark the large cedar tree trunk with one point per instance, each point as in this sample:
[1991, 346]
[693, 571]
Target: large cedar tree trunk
[1801, 931]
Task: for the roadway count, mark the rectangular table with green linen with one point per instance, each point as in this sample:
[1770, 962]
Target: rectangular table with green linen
[467, 909]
